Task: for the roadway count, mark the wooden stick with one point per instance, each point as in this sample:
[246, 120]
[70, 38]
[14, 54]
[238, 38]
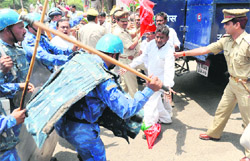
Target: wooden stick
[90, 49]
[32, 62]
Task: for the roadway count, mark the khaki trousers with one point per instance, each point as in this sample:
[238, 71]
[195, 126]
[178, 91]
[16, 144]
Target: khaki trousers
[128, 80]
[233, 93]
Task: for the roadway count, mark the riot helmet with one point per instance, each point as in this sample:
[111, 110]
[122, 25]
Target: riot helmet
[34, 17]
[54, 12]
[8, 17]
[110, 43]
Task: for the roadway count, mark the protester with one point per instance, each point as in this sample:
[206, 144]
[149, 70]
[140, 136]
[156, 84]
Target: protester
[235, 44]
[79, 125]
[55, 14]
[73, 13]
[63, 26]
[162, 19]
[103, 22]
[159, 58]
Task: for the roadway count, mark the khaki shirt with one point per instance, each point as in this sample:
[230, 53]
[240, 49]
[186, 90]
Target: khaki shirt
[236, 52]
[126, 40]
[90, 33]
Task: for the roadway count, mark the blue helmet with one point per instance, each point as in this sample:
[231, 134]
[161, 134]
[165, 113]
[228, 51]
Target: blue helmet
[110, 43]
[8, 17]
[54, 12]
[33, 16]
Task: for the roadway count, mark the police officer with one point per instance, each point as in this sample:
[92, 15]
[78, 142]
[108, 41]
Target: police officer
[54, 14]
[48, 55]
[14, 68]
[79, 125]
[236, 46]
[128, 80]
[90, 33]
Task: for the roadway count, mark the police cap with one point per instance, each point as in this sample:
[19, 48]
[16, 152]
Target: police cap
[230, 14]
[92, 12]
[122, 15]
[113, 10]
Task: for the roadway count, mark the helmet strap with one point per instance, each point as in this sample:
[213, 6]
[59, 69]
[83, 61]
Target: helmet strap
[33, 28]
[9, 28]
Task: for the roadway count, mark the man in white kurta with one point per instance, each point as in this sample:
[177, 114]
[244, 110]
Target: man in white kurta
[161, 19]
[64, 27]
[160, 62]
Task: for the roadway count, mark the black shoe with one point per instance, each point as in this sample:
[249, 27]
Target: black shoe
[144, 137]
[53, 159]
[79, 157]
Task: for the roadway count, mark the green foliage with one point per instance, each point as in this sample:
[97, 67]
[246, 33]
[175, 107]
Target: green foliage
[26, 3]
[78, 3]
[16, 4]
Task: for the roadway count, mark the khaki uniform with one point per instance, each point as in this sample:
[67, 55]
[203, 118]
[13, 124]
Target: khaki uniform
[90, 33]
[128, 80]
[237, 54]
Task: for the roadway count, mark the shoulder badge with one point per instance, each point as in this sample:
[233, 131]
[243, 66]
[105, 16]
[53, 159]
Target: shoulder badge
[18, 46]
[226, 35]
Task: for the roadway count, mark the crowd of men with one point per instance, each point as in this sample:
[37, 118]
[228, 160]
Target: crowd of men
[119, 37]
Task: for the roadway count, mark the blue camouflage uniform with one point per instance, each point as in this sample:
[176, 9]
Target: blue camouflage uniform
[9, 81]
[85, 137]
[72, 23]
[48, 54]
[8, 137]
[8, 88]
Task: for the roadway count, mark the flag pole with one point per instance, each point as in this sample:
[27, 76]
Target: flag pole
[38, 35]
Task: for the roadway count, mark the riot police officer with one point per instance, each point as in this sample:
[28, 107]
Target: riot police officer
[14, 67]
[79, 125]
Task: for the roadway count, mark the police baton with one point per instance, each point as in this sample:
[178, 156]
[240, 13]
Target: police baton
[90, 49]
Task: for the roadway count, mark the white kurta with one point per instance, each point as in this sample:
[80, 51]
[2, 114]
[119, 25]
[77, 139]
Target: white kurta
[160, 63]
[173, 37]
[60, 42]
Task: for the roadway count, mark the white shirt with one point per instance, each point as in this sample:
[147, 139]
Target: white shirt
[107, 26]
[143, 45]
[173, 37]
[160, 62]
[59, 42]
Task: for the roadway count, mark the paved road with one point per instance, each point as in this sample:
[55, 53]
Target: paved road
[195, 105]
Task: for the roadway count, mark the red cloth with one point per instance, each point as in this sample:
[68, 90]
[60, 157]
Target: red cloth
[150, 28]
[152, 133]
[146, 14]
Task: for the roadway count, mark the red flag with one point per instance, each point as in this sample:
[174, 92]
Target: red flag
[150, 28]
[146, 14]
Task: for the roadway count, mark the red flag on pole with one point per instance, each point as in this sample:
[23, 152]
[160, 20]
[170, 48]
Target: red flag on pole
[146, 14]
[150, 28]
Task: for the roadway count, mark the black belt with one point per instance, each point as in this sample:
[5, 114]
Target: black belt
[74, 119]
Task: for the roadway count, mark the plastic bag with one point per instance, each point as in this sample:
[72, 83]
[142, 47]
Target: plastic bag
[152, 133]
